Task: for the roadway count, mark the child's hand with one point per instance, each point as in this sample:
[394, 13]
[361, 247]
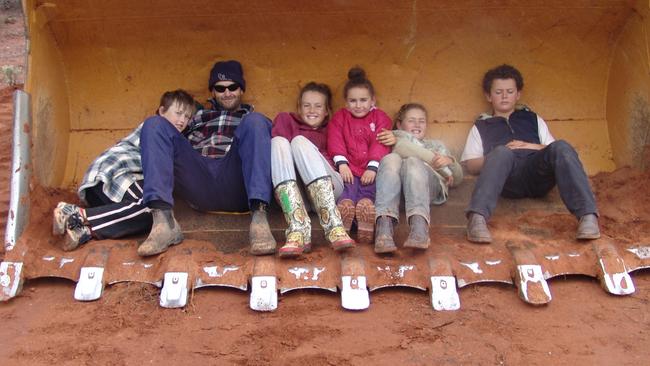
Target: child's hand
[386, 137]
[346, 174]
[368, 177]
[440, 161]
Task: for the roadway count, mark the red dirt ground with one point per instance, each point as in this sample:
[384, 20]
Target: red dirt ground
[583, 325]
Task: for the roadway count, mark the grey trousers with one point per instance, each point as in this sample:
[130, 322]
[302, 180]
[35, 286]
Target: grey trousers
[420, 184]
[302, 155]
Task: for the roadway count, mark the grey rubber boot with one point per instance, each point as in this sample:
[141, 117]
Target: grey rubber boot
[259, 234]
[419, 234]
[477, 230]
[588, 228]
[384, 242]
[165, 232]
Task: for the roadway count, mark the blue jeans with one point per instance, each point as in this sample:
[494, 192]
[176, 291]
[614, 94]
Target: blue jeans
[171, 165]
[524, 173]
[417, 179]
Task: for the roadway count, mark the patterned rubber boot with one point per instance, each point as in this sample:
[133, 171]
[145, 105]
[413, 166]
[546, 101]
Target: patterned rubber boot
[321, 194]
[298, 234]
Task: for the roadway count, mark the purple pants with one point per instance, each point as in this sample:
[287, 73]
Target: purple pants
[357, 191]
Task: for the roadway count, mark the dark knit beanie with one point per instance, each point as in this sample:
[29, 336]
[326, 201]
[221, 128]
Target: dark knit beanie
[227, 70]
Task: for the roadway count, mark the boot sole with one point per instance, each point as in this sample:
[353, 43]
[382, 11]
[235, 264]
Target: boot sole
[417, 244]
[365, 220]
[343, 245]
[176, 241]
[479, 240]
[385, 249]
[290, 252]
[346, 209]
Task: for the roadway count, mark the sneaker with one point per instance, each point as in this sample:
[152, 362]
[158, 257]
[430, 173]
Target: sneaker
[60, 216]
[75, 236]
[347, 211]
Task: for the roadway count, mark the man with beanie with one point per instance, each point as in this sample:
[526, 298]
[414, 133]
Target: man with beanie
[221, 162]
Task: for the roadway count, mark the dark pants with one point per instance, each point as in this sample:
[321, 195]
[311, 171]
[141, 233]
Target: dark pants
[110, 220]
[357, 191]
[519, 174]
[171, 165]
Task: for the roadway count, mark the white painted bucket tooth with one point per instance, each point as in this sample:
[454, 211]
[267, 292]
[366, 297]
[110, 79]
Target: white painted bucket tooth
[90, 284]
[444, 293]
[91, 276]
[529, 278]
[264, 292]
[354, 290]
[613, 274]
[174, 291]
[11, 279]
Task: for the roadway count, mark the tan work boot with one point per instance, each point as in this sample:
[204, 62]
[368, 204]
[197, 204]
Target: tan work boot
[165, 232]
[259, 234]
[419, 234]
[477, 230]
[321, 194]
[298, 234]
[384, 242]
[588, 228]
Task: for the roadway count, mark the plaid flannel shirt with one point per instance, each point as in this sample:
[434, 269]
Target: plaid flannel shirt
[211, 132]
[117, 168]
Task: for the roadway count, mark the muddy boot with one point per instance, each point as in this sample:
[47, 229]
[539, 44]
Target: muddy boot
[365, 213]
[477, 230]
[70, 220]
[321, 194]
[298, 234]
[259, 234]
[165, 232]
[419, 234]
[588, 228]
[346, 210]
[384, 242]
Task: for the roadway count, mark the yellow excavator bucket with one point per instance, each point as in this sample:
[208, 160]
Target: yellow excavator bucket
[97, 68]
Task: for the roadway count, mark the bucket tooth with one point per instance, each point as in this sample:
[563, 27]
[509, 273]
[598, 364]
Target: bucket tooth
[175, 282]
[91, 276]
[613, 273]
[529, 278]
[264, 294]
[174, 291]
[354, 290]
[444, 294]
[11, 279]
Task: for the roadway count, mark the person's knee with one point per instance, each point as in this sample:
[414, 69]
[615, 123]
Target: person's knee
[562, 148]
[391, 162]
[501, 154]
[157, 125]
[299, 142]
[255, 122]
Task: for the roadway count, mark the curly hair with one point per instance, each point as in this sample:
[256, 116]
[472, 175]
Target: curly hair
[504, 71]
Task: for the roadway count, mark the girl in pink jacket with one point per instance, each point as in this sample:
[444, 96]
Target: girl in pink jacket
[352, 143]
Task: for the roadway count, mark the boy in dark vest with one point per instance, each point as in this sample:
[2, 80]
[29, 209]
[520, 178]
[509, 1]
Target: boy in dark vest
[516, 156]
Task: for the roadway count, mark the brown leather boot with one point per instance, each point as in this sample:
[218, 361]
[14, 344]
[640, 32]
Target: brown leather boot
[419, 234]
[588, 228]
[384, 242]
[165, 232]
[477, 230]
[259, 234]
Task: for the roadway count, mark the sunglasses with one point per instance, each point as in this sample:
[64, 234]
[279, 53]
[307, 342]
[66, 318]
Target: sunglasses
[222, 88]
